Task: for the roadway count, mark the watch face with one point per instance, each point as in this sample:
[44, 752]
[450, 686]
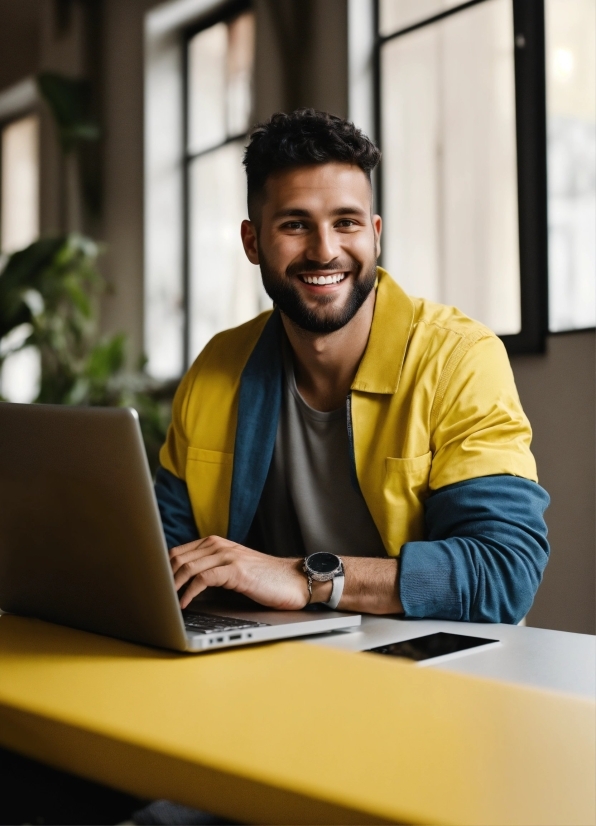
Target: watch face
[323, 563]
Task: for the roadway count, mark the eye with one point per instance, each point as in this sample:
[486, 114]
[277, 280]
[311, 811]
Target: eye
[346, 223]
[293, 225]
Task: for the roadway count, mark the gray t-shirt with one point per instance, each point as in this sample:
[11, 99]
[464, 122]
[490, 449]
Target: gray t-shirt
[309, 503]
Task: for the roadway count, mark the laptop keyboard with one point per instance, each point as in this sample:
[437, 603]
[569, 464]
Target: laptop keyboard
[209, 624]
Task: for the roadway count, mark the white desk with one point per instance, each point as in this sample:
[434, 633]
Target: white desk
[534, 657]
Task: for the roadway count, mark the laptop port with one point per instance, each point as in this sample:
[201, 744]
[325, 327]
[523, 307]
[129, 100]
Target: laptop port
[235, 637]
[220, 639]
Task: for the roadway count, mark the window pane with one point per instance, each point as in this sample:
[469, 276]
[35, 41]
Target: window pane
[240, 66]
[449, 164]
[399, 14]
[225, 289]
[220, 68]
[163, 281]
[207, 58]
[20, 184]
[571, 125]
[20, 375]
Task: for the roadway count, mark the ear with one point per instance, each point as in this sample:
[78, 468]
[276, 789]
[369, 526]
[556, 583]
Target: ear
[248, 233]
[377, 223]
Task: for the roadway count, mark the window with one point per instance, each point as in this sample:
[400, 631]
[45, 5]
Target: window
[19, 227]
[465, 223]
[571, 147]
[19, 204]
[222, 289]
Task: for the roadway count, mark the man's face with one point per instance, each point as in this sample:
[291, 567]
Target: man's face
[317, 243]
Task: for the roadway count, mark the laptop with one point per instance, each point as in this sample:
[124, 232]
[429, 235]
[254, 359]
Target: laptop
[81, 541]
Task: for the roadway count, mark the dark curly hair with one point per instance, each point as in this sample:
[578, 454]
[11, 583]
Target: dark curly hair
[302, 138]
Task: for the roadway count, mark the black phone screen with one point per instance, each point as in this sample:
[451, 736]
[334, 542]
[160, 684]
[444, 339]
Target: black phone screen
[432, 645]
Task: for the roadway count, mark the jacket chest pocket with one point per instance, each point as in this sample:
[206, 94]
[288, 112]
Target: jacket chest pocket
[405, 489]
[209, 482]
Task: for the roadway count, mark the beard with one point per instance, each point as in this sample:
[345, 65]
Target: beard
[324, 318]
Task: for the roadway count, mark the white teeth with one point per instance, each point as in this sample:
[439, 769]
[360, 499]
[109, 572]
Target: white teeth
[324, 279]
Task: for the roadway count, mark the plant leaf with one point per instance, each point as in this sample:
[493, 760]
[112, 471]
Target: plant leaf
[69, 100]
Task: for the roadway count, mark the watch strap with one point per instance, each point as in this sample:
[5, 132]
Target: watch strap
[336, 591]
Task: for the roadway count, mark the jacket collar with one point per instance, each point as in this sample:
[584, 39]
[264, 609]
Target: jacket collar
[261, 385]
[381, 365]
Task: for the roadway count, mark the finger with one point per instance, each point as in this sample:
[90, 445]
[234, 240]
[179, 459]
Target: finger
[197, 566]
[195, 552]
[193, 557]
[195, 587]
[211, 578]
[188, 546]
[181, 550]
[197, 543]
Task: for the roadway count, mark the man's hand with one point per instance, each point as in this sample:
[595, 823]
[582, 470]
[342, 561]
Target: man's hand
[277, 582]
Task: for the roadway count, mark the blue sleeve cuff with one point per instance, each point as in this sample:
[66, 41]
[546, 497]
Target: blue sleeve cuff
[174, 507]
[485, 554]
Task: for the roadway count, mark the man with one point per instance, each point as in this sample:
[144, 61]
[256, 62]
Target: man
[352, 420]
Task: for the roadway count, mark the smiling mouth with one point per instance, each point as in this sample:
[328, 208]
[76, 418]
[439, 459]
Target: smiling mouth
[323, 279]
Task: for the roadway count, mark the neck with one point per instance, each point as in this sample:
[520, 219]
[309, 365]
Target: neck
[325, 364]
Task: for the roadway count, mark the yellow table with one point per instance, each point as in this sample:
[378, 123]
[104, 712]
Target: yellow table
[241, 733]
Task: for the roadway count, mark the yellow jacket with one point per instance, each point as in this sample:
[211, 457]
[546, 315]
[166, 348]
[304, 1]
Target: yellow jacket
[433, 403]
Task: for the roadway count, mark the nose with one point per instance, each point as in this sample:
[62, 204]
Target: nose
[322, 246]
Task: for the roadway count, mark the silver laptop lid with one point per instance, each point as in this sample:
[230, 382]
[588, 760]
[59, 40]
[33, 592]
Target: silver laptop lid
[81, 541]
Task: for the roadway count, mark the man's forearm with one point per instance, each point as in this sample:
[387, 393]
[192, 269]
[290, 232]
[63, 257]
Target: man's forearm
[371, 586]
[484, 553]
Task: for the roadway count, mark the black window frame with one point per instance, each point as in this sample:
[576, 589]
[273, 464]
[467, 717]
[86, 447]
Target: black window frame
[530, 117]
[222, 14]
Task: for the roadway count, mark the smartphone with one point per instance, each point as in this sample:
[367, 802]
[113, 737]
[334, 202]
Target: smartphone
[433, 648]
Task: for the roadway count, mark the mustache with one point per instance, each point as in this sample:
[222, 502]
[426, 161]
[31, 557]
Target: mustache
[337, 265]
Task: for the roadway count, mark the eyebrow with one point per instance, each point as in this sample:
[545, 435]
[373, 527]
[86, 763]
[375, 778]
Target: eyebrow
[296, 212]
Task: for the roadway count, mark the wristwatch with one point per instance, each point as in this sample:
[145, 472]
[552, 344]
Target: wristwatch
[321, 567]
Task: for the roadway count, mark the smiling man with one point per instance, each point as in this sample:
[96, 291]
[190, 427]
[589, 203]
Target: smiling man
[355, 447]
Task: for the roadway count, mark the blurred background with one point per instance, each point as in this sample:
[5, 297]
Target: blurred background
[122, 125]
